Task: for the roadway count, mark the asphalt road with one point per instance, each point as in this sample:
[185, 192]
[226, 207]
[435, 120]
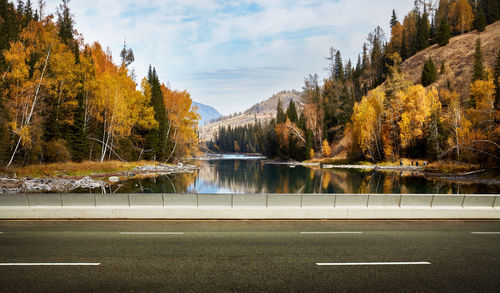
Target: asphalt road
[243, 256]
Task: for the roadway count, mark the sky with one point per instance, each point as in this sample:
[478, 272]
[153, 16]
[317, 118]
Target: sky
[232, 54]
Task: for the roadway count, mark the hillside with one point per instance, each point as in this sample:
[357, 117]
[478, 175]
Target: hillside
[206, 112]
[458, 57]
[263, 111]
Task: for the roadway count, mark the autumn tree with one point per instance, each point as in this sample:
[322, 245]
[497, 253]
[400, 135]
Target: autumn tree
[416, 112]
[367, 124]
[37, 53]
[326, 149]
[183, 122]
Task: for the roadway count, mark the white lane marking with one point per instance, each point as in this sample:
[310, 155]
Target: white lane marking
[331, 232]
[371, 263]
[50, 264]
[151, 233]
[485, 232]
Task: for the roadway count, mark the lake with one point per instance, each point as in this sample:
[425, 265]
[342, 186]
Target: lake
[240, 174]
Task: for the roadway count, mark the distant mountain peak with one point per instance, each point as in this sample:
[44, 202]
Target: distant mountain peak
[206, 112]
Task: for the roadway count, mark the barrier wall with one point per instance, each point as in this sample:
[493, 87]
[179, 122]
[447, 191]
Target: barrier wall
[249, 206]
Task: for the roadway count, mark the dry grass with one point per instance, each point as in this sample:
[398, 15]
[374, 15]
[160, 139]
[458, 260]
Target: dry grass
[76, 169]
[458, 56]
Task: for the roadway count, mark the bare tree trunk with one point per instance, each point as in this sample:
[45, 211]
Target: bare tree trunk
[103, 145]
[175, 145]
[110, 149]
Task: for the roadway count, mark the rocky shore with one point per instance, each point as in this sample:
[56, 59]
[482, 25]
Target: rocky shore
[14, 184]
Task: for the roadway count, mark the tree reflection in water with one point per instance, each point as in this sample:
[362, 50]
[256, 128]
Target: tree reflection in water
[255, 176]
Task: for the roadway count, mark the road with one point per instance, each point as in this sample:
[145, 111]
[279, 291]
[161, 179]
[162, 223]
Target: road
[242, 256]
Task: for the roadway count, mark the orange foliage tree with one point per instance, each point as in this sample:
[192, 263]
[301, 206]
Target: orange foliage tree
[183, 122]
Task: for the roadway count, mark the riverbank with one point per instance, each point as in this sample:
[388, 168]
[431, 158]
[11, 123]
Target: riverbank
[65, 177]
[440, 170]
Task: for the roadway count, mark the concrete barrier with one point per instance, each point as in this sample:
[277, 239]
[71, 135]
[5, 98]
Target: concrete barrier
[215, 200]
[249, 206]
[78, 200]
[284, 200]
[8, 200]
[447, 201]
[250, 200]
[318, 200]
[111, 200]
[44, 200]
[485, 201]
[180, 200]
[146, 199]
[351, 200]
[384, 200]
[416, 200]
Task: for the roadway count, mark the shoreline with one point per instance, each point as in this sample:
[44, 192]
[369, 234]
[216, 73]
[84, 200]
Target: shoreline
[470, 177]
[61, 183]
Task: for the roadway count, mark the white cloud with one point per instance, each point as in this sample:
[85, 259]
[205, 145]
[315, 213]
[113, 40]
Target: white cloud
[197, 45]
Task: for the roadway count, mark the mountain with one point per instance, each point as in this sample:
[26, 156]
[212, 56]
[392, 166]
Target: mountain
[263, 111]
[206, 112]
[458, 57]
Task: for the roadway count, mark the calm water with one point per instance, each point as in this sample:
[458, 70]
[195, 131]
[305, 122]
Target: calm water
[234, 175]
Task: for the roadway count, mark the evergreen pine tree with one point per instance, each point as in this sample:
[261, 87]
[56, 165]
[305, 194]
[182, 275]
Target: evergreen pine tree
[28, 12]
[491, 8]
[394, 19]
[480, 20]
[478, 70]
[433, 32]
[404, 52]
[291, 112]
[65, 22]
[20, 7]
[365, 60]
[4, 130]
[157, 140]
[429, 73]
[9, 28]
[280, 117]
[338, 67]
[423, 32]
[496, 76]
[79, 141]
[444, 32]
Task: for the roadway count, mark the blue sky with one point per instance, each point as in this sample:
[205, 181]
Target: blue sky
[232, 54]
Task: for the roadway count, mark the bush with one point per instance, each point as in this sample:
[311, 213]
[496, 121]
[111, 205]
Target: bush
[56, 151]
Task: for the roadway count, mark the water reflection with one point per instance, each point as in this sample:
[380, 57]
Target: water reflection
[254, 176]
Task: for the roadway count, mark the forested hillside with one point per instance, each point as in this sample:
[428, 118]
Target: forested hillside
[396, 101]
[263, 112]
[62, 99]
